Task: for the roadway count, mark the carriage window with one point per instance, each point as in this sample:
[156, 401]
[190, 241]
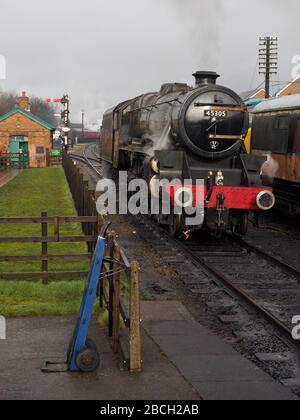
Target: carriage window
[282, 123]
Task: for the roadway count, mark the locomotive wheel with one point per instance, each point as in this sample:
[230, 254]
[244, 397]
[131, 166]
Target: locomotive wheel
[88, 360]
[176, 225]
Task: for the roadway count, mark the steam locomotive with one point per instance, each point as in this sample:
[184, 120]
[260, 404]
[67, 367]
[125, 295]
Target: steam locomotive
[187, 133]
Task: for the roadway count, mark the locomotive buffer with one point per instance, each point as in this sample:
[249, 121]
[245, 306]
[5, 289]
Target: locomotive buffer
[82, 354]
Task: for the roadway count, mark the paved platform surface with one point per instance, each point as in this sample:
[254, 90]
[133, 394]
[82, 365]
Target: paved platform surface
[214, 369]
[8, 175]
[30, 341]
[181, 360]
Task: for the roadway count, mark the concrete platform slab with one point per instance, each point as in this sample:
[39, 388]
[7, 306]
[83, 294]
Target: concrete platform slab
[31, 341]
[216, 370]
[233, 391]
[164, 311]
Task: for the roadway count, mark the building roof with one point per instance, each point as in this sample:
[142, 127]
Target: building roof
[278, 104]
[286, 87]
[253, 94]
[18, 110]
[251, 103]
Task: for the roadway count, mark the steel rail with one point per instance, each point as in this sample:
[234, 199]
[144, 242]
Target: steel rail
[267, 255]
[222, 279]
[85, 159]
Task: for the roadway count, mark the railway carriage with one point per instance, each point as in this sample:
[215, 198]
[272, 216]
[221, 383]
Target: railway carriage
[190, 133]
[276, 136]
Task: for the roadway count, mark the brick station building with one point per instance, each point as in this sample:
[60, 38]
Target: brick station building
[25, 137]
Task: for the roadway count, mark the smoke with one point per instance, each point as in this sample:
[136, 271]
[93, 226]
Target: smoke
[159, 142]
[270, 167]
[202, 23]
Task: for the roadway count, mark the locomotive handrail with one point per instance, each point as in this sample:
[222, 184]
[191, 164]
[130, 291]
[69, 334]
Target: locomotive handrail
[149, 107]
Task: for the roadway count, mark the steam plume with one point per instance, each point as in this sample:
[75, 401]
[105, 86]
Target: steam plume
[203, 25]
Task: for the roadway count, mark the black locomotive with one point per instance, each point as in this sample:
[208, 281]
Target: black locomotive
[187, 133]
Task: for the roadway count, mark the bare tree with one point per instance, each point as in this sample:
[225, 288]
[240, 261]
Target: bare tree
[38, 107]
[8, 101]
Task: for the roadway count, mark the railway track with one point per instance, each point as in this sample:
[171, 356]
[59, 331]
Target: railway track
[262, 283]
[91, 161]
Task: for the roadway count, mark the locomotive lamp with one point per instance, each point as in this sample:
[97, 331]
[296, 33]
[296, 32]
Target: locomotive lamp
[220, 179]
[265, 200]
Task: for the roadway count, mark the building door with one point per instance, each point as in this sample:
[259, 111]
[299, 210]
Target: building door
[19, 150]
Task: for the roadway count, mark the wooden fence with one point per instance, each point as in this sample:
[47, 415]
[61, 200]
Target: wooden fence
[127, 340]
[14, 160]
[117, 274]
[92, 227]
[55, 161]
[82, 190]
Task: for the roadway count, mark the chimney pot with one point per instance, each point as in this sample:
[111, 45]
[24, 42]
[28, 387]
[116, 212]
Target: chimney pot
[24, 102]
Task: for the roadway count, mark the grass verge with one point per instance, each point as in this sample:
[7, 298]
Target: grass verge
[30, 193]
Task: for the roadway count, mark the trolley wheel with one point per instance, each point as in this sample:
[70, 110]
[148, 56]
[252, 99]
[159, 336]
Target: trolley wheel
[88, 360]
[90, 344]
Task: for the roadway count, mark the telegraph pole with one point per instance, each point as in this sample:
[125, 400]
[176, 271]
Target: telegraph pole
[82, 112]
[268, 60]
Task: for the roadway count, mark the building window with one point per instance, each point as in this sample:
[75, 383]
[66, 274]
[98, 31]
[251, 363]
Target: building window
[282, 123]
[40, 150]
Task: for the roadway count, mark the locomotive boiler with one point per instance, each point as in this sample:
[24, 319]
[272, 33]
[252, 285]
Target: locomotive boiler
[190, 133]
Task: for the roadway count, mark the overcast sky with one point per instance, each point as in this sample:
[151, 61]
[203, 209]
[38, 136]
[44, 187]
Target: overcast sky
[105, 51]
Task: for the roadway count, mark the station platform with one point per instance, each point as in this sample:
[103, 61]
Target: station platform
[31, 341]
[213, 368]
[181, 361]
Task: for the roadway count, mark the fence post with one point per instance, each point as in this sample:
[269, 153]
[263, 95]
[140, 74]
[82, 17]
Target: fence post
[135, 320]
[110, 248]
[44, 247]
[56, 228]
[117, 296]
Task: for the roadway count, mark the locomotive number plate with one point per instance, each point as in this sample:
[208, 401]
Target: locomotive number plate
[211, 113]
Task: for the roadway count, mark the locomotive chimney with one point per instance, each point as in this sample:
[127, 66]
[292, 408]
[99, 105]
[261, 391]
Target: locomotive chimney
[205, 77]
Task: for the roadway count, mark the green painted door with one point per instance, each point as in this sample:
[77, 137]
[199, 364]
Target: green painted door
[18, 147]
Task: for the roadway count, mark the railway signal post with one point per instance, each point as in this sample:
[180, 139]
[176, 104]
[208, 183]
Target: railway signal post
[268, 60]
[65, 101]
[65, 116]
